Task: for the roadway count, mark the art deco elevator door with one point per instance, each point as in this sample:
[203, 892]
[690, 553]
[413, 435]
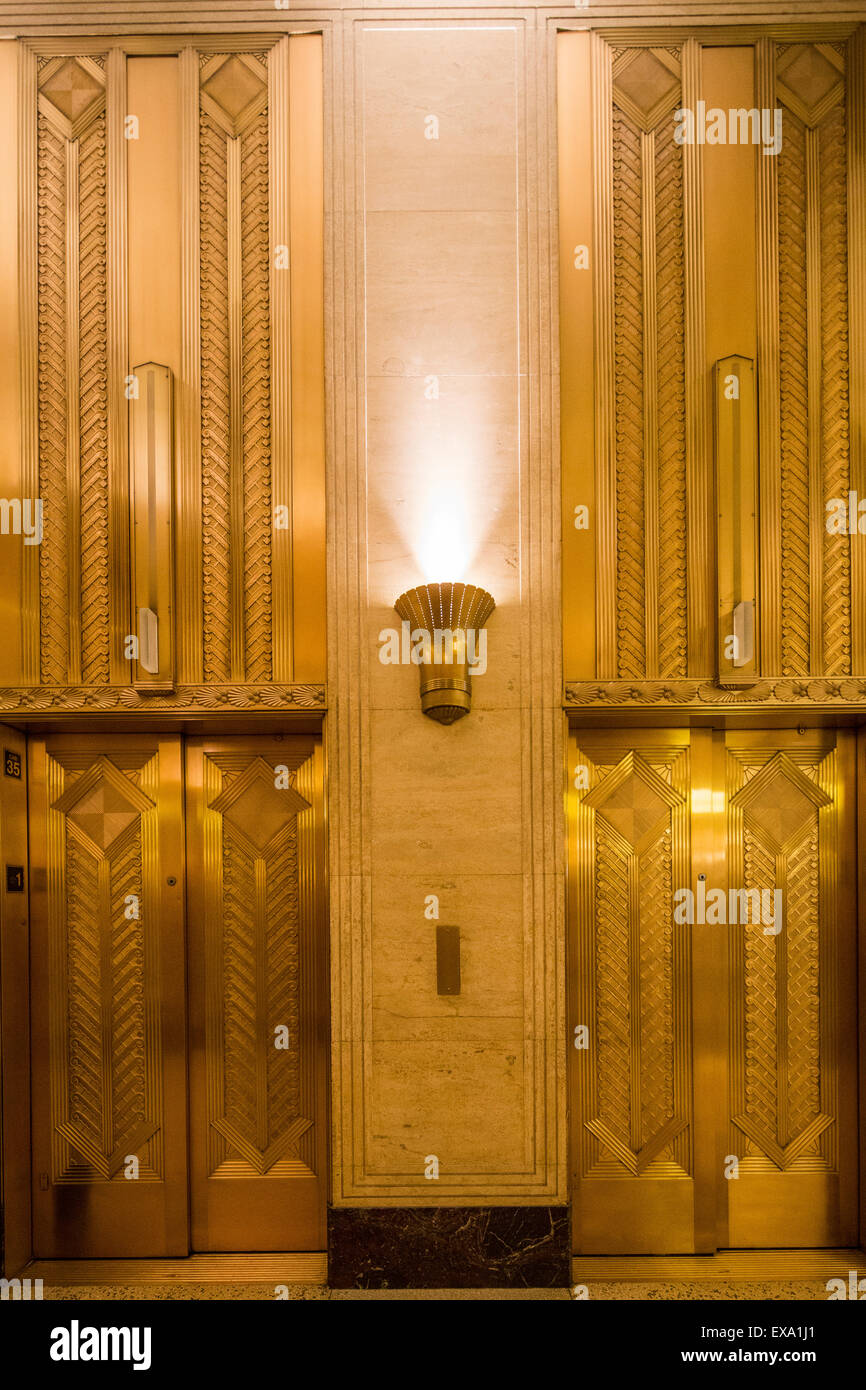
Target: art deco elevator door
[108, 997]
[113, 830]
[712, 990]
[792, 1076]
[630, 993]
[258, 1005]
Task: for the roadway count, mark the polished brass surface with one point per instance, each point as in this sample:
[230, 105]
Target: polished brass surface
[152, 474]
[709, 1039]
[700, 252]
[201, 245]
[258, 1002]
[792, 1115]
[108, 997]
[14, 1013]
[303, 463]
[630, 984]
[833, 700]
[582, 532]
[715, 1090]
[197, 243]
[159, 387]
[195, 1269]
[736, 520]
[448, 617]
[109, 959]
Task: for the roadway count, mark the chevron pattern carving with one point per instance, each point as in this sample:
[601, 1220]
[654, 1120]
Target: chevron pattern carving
[628, 395]
[72, 371]
[73, 377]
[670, 292]
[83, 949]
[614, 1002]
[793, 399]
[235, 375]
[656, 990]
[102, 1108]
[282, 946]
[51, 177]
[255, 1108]
[633, 1115]
[761, 1068]
[777, 1062]
[258, 521]
[835, 426]
[93, 408]
[813, 307]
[648, 338]
[215, 425]
[804, 1025]
[239, 999]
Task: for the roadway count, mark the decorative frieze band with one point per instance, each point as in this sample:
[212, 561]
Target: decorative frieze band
[99, 699]
[795, 693]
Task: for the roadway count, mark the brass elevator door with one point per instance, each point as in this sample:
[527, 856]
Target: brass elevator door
[792, 1070]
[120, 827]
[714, 1067]
[258, 1003]
[108, 1005]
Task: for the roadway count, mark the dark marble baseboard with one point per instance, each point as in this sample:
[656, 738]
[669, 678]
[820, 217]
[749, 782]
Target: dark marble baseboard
[448, 1247]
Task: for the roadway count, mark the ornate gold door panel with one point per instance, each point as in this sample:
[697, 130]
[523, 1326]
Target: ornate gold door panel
[630, 992]
[793, 1070]
[714, 1066]
[258, 994]
[108, 1025]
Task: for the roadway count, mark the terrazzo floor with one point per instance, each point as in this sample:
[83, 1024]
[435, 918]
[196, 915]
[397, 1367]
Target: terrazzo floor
[803, 1291]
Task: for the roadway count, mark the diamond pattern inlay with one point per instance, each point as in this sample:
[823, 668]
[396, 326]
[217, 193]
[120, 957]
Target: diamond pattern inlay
[634, 810]
[646, 81]
[101, 804]
[255, 806]
[71, 89]
[103, 814]
[233, 86]
[779, 801]
[784, 812]
[810, 75]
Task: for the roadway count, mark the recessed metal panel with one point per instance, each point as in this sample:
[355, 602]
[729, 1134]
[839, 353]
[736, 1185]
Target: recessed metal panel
[448, 960]
[152, 529]
[736, 519]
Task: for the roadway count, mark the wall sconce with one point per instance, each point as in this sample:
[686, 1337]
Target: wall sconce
[736, 520]
[151, 479]
[445, 619]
